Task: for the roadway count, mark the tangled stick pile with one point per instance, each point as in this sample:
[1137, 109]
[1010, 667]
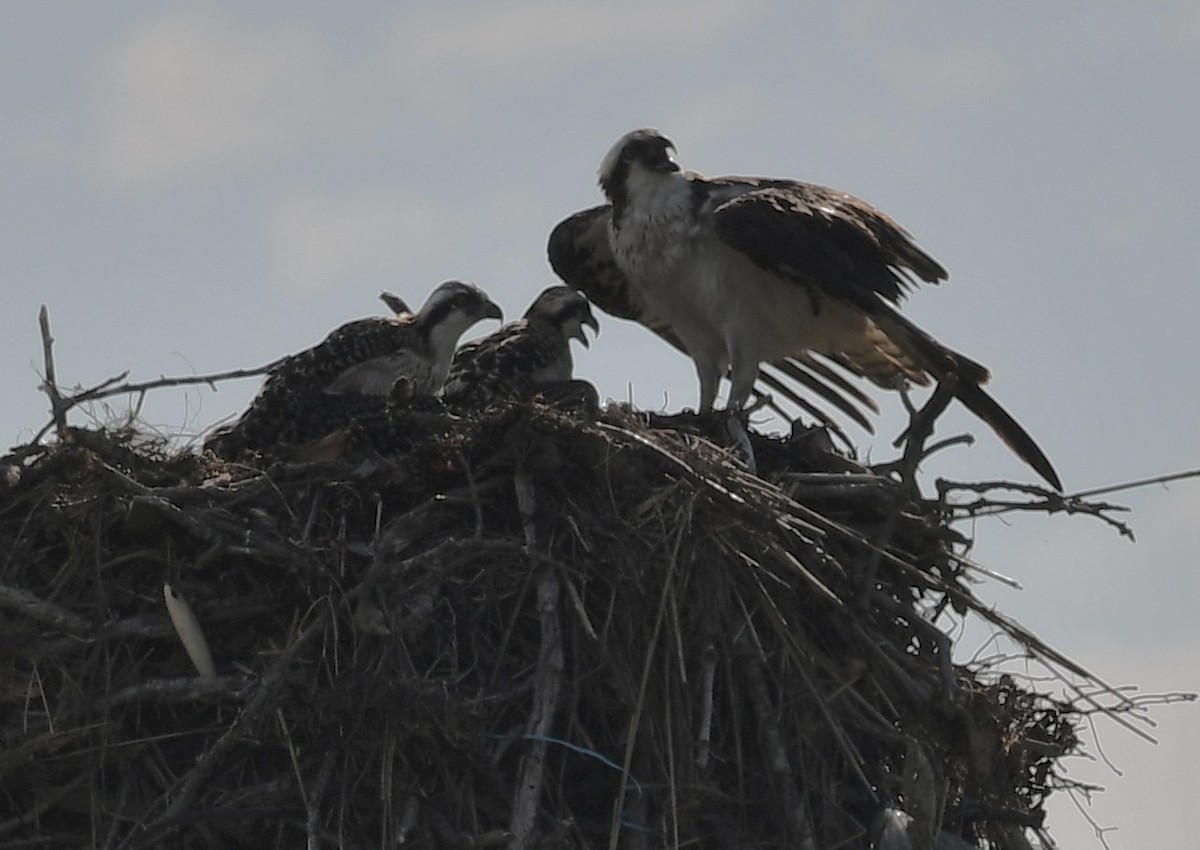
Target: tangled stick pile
[523, 630]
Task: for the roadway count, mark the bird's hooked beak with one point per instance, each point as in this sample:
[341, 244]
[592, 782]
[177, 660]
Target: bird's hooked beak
[585, 317]
[489, 309]
[668, 164]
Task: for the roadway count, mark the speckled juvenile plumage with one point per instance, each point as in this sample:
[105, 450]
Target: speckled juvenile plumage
[524, 356]
[348, 374]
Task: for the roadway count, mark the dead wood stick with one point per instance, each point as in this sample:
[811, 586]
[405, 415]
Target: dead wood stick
[547, 683]
[46, 803]
[260, 698]
[110, 387]
[774, 748]
[932, 633]
[545, 705]
[640, 706]
[58, 407]
[707, 678]
[920, 429]
[117, 385]
[312, 802]
[263, 691]
[1044, 501]
[184, 689]
[24, 602]
[791, 639]
[526, 506]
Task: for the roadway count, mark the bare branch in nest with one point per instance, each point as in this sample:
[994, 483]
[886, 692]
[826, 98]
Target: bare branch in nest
[42, 611]
[117, 386]
[46, 804]
[189, 689]
[1047, 501]
[775, 746]
[920, 429]
[58, 406]
[547, 684]
[526, 506]
[709, 670]
[313, 800]
[805, 486]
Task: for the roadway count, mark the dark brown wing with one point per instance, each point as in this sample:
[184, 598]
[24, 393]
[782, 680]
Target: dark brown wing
[846, 249]
[580, 254]
[823, 238]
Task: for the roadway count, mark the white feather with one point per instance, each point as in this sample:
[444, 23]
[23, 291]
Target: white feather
[189, 631]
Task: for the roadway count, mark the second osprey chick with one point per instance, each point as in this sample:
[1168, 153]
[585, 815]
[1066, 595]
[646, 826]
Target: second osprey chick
[524, 356]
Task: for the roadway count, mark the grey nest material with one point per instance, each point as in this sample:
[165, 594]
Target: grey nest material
[523, 630]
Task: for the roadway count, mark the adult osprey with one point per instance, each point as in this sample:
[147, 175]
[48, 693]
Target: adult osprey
[740, 271]
[529, 355]
[319, 389]
[580, 254]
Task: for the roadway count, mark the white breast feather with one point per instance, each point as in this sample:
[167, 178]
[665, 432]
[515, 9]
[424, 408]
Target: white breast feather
[660, 248]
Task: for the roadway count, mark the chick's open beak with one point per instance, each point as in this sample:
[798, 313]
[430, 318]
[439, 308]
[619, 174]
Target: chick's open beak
[586, 318]
[491, 310]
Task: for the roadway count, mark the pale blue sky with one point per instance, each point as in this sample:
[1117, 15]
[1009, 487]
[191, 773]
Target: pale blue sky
[202, 187]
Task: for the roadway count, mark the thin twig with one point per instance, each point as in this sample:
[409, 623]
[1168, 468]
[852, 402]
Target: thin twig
[110, 388]
[58, 407]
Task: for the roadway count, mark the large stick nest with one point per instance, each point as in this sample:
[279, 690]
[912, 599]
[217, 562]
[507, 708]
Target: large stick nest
[523, 629]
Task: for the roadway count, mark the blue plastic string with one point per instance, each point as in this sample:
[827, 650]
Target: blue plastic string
[600, 757]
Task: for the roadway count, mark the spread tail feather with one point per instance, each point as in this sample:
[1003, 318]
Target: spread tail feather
[969, 376]
[979, 402]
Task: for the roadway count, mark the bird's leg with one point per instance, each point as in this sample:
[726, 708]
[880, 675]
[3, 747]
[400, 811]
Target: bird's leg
[736, 417]
[735, 427]
[709, 381]
[741, 379]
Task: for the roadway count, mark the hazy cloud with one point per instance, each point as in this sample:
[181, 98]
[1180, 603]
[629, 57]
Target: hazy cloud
[527, 35]
[39, 144]
[320, 241]
[1109, 32]
[186, 89]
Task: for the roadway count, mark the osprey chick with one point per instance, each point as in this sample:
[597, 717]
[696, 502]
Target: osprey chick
[523, 357]
[316, 390]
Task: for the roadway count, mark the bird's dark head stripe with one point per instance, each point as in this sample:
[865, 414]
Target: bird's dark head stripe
[646, 148]
[556, 303]
[456, 296]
